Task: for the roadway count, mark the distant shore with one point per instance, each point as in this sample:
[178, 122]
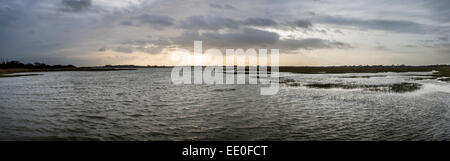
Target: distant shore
[10, 67]
[5, 72]
[442, 71]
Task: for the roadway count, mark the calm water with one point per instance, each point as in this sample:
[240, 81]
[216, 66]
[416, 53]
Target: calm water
[145, 105]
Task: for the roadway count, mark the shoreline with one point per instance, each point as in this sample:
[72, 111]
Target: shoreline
[4, 73]
[443, 72]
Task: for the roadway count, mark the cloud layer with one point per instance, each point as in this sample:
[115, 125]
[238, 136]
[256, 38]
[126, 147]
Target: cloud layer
[80, 31]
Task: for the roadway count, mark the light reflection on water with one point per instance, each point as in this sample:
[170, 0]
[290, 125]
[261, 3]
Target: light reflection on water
[144, 105]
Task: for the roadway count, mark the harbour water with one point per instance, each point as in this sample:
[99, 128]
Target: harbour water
[143, 104]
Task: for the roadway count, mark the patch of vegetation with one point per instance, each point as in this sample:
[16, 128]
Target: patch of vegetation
[443, 75]
[224, 90]
[397, 88]
[283, 80]
[294, 84]
[328, 86]
[247, 72]
[445, 79]
[364, 76]
[289, 82]
[443, 69]
[405, 87]
[423, 78]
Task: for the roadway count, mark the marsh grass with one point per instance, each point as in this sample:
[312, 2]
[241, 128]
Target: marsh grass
[423, 78]
[283, 80]
[445, 79]
[445, 70]
[442, 74]
[289, 82]
[405, 87]
[397, 88]
[364, 76]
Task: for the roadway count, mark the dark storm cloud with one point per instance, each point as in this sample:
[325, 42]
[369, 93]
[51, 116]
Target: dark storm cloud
[208, 23]
[253, 38]
[441, 7]
[158, 42]
[24, 34]
[443, 38]
[311, 44]
[76, 5]
[302, 23]
[217, 23]
[402, 26]
[260, 22]
[219, 6]
[247, 36]
[243, 38]
[102, 49]
[126, 23]
[154, 21]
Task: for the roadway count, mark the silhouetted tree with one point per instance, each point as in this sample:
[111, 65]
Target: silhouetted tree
[36, 65]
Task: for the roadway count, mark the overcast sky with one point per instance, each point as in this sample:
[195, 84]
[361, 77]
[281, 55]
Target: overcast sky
[307, 32]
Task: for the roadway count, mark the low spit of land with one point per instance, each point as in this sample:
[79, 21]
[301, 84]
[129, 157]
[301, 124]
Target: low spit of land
[442, 71]
[8, 68]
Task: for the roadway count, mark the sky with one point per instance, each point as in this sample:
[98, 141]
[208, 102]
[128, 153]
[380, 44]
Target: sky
[146, 32]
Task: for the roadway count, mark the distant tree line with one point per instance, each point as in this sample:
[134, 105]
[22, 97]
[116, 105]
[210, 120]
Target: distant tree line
[36, 65]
